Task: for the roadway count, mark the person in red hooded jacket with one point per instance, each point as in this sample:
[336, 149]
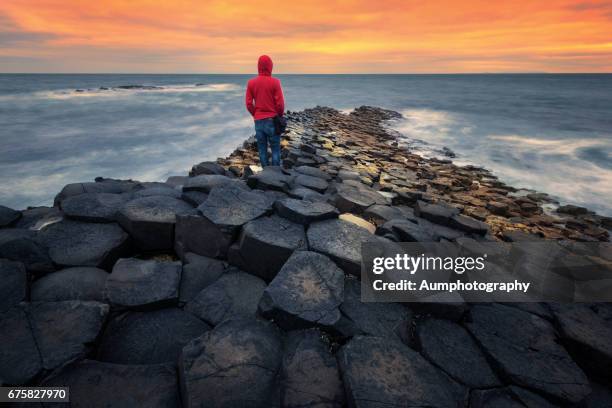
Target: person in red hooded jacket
[264, 100]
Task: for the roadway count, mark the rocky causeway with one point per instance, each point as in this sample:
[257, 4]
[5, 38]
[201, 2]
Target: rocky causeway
[237, 286]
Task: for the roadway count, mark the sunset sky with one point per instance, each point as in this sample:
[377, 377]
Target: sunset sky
[321, 36]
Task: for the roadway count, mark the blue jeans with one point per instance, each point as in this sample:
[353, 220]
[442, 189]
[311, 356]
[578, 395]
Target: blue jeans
[266, 134]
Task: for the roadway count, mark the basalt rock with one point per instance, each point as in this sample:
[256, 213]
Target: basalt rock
[311, 182]
[160, 189]
[588, 337]
[8, 216]
[93, 207]
[78, 283]
[13, 284]
[64, 331]
[205, 183]
[449, 346]
[380, 214]
[509, 397]
[309, 373]
[24, 246]
[233, 295]
[102, 186]
[194, 198]
[235, 365]
[437, 213]
[198, 273]
[270, 178]
[356, 200]
[36, 218]
[199, 235]
[148, 337]
[313, 172]
[265, 244]
[530, 357]
[468, 224]
[304, 212]
[306, 292]
[150, 220]
[20, 360]
[101, 385]
[382, 372]
[207, 168]
[387, 320]
[135, 283]
[73, 243]
[403, 230]
[341, 241]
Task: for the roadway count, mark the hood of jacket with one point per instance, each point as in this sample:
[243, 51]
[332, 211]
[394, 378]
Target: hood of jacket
[264, 65]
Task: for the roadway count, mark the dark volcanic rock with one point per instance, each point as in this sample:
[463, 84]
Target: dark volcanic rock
[524, 348]
[233, 365]
[311, 182]
[509, 397]
[468, 224]
[36, 218]
[199, 235]
[137, 283]
[357, 200]
[207, 168]
[379, 372]
[150, 220]
[405, 231]
[73, 243]
[265, 244]
[8, 216]
[19, 358]
[194, 198]
[102, 385]
[304, 212]
[205, 183]
[78, 283]
[371, 318]
[437, 213]
[306, 194]
[149, 337]
[309, 374]
[23, 246]
[341, 241]
[230, 206]
[313, 172]
[270, 178]
[198, 273]
[449, 346]
[588, 337]
[160, 189]
[65, 331]
[13, 284]
[380, 214]
[104, 186]
[306, 292]
[234, 294]
[93, 207]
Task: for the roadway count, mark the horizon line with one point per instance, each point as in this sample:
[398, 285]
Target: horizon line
[298, 73]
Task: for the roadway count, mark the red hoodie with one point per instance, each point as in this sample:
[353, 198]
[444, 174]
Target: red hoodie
[264, 95]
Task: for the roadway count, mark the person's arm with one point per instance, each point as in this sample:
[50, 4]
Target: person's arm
[279, 100]
[249, 100]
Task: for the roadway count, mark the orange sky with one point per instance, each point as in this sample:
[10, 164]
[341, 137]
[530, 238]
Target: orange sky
[322, 36]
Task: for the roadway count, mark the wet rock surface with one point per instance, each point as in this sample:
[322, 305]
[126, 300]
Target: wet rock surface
[227, 336]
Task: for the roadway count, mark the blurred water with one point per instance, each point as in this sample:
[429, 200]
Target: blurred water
[552, 133]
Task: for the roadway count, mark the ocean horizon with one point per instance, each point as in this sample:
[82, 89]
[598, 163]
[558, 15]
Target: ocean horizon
[547, 132]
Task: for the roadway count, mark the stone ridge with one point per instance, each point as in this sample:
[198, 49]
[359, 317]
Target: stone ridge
[238, 286]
